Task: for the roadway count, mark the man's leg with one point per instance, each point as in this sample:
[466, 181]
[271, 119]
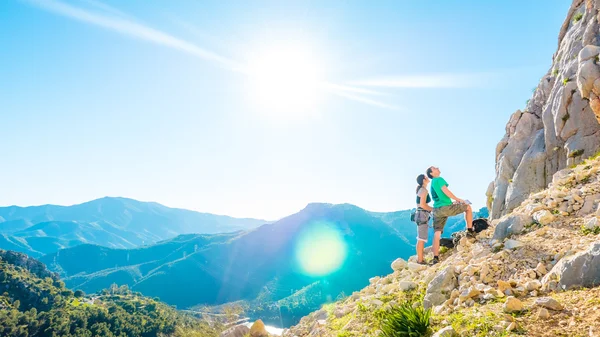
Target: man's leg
[436, 243]
[439, 221]
[469, 217]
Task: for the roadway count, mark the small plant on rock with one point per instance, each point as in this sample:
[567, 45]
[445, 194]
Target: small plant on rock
[587, 231]
[566, 80]
[577, 17]
[555, 72]
[576, 153]
[405, 321]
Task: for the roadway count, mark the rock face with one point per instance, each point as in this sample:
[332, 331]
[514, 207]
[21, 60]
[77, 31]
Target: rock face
[559, 125]
[580, 270]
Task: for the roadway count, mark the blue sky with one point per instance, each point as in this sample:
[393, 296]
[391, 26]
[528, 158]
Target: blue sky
[256, 108]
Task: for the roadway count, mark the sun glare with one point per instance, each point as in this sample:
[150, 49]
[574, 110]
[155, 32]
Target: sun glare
[321, 249]
[285, 82]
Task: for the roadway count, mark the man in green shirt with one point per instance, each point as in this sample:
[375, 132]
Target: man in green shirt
[443, 207]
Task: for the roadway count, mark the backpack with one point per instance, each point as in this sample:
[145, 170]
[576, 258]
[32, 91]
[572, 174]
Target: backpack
[479, 225]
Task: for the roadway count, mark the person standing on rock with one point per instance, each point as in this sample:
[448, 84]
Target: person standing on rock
[443, 207]
[422, 215]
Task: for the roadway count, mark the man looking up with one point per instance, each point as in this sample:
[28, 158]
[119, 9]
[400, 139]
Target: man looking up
[444, 208]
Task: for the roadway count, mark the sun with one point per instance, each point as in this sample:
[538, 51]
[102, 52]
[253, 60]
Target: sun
[285, 81]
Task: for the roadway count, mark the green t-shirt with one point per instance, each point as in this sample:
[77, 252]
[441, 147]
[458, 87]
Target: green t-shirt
[440, 198]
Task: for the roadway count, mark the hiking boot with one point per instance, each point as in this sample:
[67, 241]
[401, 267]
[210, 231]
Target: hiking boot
[471, 233]
[423, 263]
[435, 260]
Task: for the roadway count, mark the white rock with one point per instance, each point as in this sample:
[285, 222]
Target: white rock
[377, 303]
[549, 303]
[407, 285]
[544, 217]
[592, 223]
[398, 264]
[416, 267]
[513, 244]
[445, 332]
[373, 280]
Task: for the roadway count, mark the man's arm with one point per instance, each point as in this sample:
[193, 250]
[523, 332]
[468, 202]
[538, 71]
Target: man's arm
[450, 194]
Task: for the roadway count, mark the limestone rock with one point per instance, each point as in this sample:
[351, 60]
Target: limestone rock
[446, 332]
[549, 303]
[559, 125]
[512, 224]
[513, 244]
[416, 267]
[543, 313]
[503, 286]
[258, 329]
[580, 270]
[398, 264]
[235, 331]
[592, 223]
[544, 217]
[407, 285]
[440, 287]
[533, 285]
[513, 304]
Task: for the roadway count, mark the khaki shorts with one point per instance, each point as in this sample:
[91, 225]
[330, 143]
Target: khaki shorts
[441, 214]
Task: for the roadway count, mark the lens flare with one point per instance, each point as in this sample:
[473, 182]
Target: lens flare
[321, 249]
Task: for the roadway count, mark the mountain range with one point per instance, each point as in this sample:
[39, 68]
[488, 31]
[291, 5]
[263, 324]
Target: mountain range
[109, 222]
[263, 266]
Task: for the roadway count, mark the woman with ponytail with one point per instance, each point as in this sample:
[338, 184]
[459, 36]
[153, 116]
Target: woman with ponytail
[422, 215]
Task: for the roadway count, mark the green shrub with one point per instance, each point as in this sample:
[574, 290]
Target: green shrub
[587, 231]
[577, 17]
[405, 321]
[576, 153]
[555, 72]
[566, 80]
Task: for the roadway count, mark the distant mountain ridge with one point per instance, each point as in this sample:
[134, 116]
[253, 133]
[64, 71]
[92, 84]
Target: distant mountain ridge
[260, 266]
[111, 222]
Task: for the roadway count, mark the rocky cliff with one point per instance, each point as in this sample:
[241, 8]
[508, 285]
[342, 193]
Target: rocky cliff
[558, 127]
[535, 272]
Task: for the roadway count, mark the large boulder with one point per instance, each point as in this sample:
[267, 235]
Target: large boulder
[579, 270]
[440, 287]
[512, 224]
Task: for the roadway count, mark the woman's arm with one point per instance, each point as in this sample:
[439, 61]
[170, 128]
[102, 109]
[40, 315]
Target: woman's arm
[423, 202]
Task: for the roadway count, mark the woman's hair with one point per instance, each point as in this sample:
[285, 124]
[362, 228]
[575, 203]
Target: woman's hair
[420, 179]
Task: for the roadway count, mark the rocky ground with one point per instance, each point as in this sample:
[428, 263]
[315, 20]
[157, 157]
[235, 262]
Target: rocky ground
[535, 272]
